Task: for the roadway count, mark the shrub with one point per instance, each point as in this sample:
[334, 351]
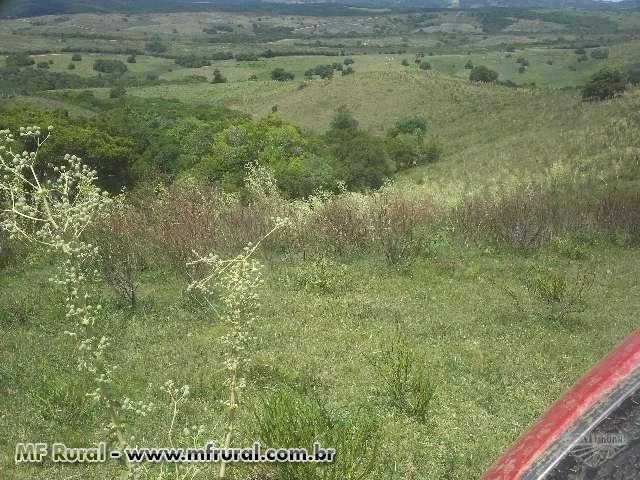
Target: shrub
[582, 58]
[483, 74]
[19, 60]
[633, 72]
[192, 61]
[155, 46]
[115, 67]
[253, 77]
[404, 62]
[290, 419]
[343, 119]
[218, 77]
[117, 92]
[407, 385]
[552, 296]
[424, 66]
[71, 66]
[522, 69]
[348, 61]
[131, 59]
[468, 65]
[281, 75]
[600, 53]
[43, 65]
[409, 125]
[76, 57]
[549, 62]
[348, 71]
[604, 84]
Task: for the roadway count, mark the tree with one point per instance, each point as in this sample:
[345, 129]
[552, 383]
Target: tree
[405, 62]
[71, 66]
[362, 159]
[468, 65]
[76, 57]
[43, 65]
[483, 74]
[131, 59]
[604, 84]
[348, 71]
[281, 75]
[343, 120]
[348, 61]
[424, 66]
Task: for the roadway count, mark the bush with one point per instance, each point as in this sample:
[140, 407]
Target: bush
[76, 57]
[218, 77]
[155, 46]
[348, 61]
[115, 67]
[192, 61]
[483, 74]
[117, 92]
[281, 75]
[580, 51]
[343, 119]
[582, 58]
[406, 380]
[253, 77]
[409, 125]
[604, 84]
[290, 419]
[131, 59]
[522, 69]
[424, 66]
[348, 71]
[43, 65]
[404, 62]
[600, 53]
[633, 72]
[71, 66]
[468, 65]
[18, 60]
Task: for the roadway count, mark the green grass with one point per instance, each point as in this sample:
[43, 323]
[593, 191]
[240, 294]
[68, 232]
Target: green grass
[495, 370]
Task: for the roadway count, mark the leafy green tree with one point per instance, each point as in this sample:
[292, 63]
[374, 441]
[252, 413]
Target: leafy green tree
[604, 84]
[361, 158]
[483, 74]
[468, 65]
[348, 61]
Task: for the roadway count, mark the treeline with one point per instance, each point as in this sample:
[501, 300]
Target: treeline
[133, 141]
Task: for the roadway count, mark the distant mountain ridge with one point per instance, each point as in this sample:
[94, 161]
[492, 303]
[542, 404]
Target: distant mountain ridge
[30, 8]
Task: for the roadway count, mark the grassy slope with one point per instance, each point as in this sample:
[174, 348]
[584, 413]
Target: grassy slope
[495, 370]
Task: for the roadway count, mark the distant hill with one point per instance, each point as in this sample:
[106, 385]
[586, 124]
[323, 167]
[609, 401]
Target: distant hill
[31, 8]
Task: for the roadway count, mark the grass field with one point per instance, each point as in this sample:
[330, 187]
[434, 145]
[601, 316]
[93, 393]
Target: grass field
[328, 317]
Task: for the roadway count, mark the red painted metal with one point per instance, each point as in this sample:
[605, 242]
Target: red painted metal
[586, 393]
